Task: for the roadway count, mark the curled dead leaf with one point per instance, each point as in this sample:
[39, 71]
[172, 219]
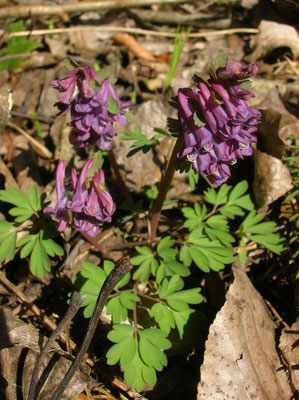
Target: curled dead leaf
[271, 178]
[271, 36]
[241, 361]
[20, 344]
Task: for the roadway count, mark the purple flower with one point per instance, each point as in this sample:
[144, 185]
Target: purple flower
[90, 205]
[77, 81]
[60, 212]
[216, 121]
[93, 111]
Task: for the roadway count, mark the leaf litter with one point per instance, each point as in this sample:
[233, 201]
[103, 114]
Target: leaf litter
[243, 345]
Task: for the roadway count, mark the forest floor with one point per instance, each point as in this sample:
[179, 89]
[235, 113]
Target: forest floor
[136, 39]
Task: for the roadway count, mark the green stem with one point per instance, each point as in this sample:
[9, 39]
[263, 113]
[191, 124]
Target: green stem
[118, 176]
[163, 188]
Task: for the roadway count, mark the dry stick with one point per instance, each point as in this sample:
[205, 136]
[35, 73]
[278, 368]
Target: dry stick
[51, 9]
[46, 321]
[42, 149]
[136, 31]
[75, 303]
[163, 188]
[122, 267]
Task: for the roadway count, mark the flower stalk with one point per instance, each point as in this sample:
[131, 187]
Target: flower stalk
[164, 187]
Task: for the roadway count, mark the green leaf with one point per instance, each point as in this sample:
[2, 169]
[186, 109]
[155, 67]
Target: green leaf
[169, 268]
[89, 282]
[14, 196]
[171, 285]
[209, 254]
[191, 296]
[125, 348]
[194, 217]
[165, 243]
[8, 245]
[98, 161]
[39, 261]
[246, 84]
[128, 299]
[147, 263]
[200, 259]
[151, 344]
[181, 320]
[271, 241]
[116, 310]
[221, 60]
[16, 45]
[33, 198]
[104, 73]
[118, 306]
[178, 45]
[197, 121]
[163, 316]
[193, 178]
[52, 248]
[185, 256]
[112, 105]
[28, 247]
[137, 374]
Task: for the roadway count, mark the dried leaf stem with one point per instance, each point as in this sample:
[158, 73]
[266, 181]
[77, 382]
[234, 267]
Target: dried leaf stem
[75, 303]
[163, 188]
[122, 267]
[136, 31]
[40, 147]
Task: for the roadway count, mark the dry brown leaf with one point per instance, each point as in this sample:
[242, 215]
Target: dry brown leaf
[20, 345]
[241, 360]
[5, 106]
[145, 169]
[289, 345]
[24, 164]
[272, 179]
[277, 124]
[131, 43]
[271, 36]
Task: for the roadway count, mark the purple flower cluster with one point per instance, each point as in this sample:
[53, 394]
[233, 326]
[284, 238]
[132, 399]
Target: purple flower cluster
[88, 207]
[93, 109]
[216, 121]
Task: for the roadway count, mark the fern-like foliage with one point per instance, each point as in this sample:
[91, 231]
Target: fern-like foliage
[38, 243]
[139, 343]
[139, 349]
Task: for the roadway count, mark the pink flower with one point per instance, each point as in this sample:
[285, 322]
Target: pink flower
[90, 205]
[216, 121]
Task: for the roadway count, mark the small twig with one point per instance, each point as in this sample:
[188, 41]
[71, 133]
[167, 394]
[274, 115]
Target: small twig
[94, 242]
[128, 245]
[44, 151]
[75, 303]
[56, 9]
[46, 321]
[121, 268]
[136, 31]
[48, 120]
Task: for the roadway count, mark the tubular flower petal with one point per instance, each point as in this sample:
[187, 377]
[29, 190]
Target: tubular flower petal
[90, 205]
[91, 117]
[59, 213]
[216, 121]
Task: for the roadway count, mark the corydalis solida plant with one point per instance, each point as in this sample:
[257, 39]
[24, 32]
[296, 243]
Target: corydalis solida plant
[94, 107]
[90, 204]
[216, 121]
